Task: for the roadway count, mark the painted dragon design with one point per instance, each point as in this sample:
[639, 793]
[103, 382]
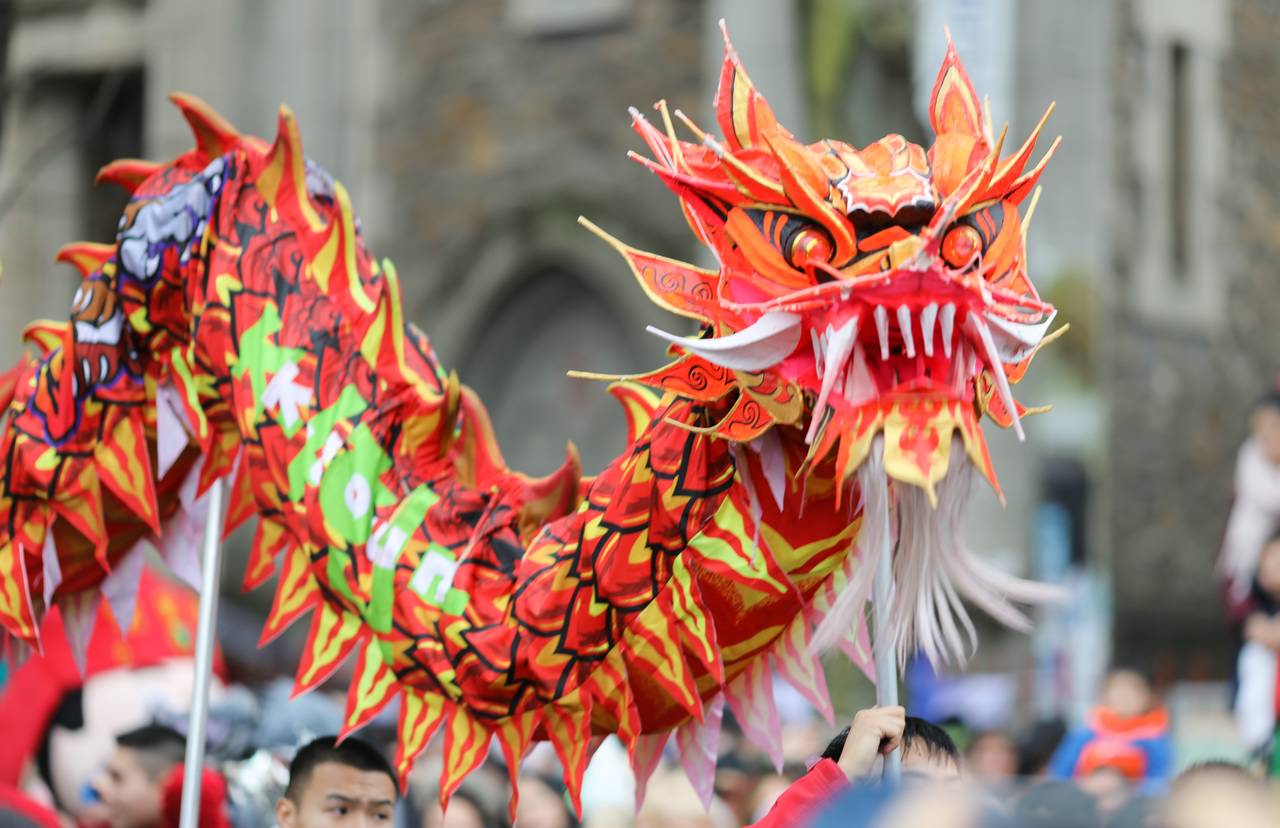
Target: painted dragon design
[869, 305]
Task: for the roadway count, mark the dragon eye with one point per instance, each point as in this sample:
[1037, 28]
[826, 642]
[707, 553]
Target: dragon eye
[809, 244]
[961, 246]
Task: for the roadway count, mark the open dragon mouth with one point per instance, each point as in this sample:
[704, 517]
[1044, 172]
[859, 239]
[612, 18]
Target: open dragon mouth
[915, 347]
[912, 354]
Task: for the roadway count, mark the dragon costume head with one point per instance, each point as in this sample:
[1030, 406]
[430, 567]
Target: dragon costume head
[859, 292]
[868, 307]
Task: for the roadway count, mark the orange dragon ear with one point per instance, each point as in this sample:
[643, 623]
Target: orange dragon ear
[955, 113]
[745, 117]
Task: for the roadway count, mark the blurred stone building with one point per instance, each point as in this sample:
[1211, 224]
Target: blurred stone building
[1194, 305]
[472, 134]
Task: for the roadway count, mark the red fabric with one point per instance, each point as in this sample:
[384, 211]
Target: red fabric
[798, 803]
[1113, 745]
[1145, 726]
[213, 800]
[15, 801]
[1117, 754]
[164, 626]
[1237, 610]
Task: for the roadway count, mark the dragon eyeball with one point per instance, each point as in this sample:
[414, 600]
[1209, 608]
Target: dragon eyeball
[961, 246]
[809, 245]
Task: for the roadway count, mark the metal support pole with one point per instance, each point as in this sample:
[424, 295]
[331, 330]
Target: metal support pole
[882, 606]
[210, 575]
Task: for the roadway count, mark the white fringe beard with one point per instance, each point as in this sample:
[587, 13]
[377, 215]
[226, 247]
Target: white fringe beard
[933, 569]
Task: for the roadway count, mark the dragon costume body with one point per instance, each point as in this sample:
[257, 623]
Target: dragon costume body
[868, 307]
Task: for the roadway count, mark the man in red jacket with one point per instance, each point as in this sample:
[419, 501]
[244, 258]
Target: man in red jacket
[856, 753]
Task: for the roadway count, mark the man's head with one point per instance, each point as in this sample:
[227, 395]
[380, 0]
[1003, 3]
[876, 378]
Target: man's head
[332, 784]
[132, 782]
[991, 756]
[928, 752]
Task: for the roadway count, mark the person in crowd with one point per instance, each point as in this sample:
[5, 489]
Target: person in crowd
[332, 785]
[1037, 746]
[1138, 812]
[131, 785]
[481, 801]
[1255, 511]
[1126, 733]
[1217, 794]
[991, 758]
[857, 753]
[542, 803]
[1110, 786]
[1056, 804]
[1256, 701]
[671, 802]
[466, 810]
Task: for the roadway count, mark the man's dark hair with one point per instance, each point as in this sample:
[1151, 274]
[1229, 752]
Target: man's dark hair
[157, 747]
[350, 752]
[919, 736]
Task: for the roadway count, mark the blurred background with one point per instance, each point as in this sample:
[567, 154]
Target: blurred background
[472, 134]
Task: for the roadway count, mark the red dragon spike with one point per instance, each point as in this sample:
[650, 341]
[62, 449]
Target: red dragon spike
[955, 113]
[85, 257]
[214, 136]
[128, 173]
[372, 688]
[744, 115]
[1012, 167]
[283, 180]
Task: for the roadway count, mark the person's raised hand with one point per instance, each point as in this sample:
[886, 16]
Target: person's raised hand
[875, 732]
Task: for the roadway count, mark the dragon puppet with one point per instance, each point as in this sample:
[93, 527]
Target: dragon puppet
[868, 306]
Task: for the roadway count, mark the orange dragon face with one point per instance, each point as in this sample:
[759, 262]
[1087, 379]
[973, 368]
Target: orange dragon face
[859, 292]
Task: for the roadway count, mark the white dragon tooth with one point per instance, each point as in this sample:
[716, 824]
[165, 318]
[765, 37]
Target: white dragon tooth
[817, 352]
[960, 369]
[948, 320]
[859, 387]
[908, 338]
[997, 373]
[927, 317]
[882, 328]
[839, 344]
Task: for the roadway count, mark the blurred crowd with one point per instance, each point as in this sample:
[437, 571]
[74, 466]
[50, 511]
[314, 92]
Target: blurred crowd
[1114, 770]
